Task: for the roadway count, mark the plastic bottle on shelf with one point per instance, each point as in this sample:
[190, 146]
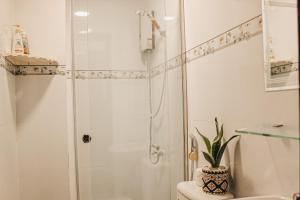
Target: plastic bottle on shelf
[25, 43]
[17, 47]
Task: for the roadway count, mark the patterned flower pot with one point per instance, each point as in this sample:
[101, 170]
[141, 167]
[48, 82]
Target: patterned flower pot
[215, 180]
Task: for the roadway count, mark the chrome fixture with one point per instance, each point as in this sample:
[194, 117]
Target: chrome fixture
[155, 151]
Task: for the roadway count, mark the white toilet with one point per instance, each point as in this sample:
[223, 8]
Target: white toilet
[191, 191]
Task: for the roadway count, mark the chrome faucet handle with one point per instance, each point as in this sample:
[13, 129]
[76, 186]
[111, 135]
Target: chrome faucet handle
[296, 196]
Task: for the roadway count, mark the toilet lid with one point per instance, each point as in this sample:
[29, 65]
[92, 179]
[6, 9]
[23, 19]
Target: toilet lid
[192, 191]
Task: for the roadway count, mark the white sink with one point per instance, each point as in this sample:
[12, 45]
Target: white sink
[271, 197]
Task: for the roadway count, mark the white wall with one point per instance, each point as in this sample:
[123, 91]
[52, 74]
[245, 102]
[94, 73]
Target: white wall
[9, 180]
[42, 105]
[45, 23]
[112, 111]
[9, 184]
[42, 137]
[168, 125]
[230, 84]
[115, 112]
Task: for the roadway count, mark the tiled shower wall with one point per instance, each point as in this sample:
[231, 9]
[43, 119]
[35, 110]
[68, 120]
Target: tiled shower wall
[42, 130]
[229, 84]
[236, 77]
[41, 104]
[9, 181]
[112, 102]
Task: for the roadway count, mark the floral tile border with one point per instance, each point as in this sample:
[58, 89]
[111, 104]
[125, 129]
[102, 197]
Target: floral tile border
[107, 74]
[32, 70]
[39, 70]
[228, 38]
[240, 33]
[233, 36]
[170, 64]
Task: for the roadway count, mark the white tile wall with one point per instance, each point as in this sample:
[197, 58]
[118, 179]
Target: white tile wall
[42, 105]
[230, 84]
[42, 137]
[115, 111]
[9, 181]
[45, 23]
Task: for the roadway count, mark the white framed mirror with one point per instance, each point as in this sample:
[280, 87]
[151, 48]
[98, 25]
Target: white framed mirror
[280, 33]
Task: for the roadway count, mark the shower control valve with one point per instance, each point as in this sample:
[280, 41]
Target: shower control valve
[157, 150]
[86, 138]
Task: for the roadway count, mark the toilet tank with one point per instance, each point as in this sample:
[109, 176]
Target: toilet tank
[189, 190]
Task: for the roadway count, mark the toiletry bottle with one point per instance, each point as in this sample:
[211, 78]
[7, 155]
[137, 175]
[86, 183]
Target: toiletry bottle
[17, 47]
[25, 43]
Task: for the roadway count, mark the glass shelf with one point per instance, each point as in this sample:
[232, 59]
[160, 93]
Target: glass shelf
[271, 131]
[28, 61]
[29, 65]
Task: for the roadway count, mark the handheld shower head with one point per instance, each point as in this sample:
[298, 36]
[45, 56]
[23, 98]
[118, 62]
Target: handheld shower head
[194, 141]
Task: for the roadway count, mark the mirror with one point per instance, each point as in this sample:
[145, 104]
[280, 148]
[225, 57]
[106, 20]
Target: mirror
[280, 30]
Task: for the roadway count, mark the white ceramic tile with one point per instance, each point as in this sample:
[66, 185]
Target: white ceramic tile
[41, 105]
[44, 22]
[9, 164]
[113, 107]
[9, 181]
[230, 84]
[42, 137]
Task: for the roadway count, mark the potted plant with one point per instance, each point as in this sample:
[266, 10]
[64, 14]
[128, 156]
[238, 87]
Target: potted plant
[215, 178]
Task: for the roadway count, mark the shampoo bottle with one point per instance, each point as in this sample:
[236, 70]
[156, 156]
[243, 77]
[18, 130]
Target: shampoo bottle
[17, 47]
[25, 43]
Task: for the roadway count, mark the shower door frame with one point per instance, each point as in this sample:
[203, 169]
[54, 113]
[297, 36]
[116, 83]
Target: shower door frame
[70, 44]
[184, 92]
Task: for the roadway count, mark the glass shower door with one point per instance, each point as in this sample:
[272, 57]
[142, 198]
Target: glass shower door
[118, 76]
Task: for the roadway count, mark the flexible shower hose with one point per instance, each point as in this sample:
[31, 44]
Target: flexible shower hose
[153, 115]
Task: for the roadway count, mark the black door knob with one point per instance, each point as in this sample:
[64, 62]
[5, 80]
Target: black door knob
[86, 138]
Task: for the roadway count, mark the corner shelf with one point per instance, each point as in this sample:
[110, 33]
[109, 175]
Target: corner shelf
[28, 65]
[271, 131]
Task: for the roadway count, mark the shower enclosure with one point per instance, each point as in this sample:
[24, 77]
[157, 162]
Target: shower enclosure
[128, 95]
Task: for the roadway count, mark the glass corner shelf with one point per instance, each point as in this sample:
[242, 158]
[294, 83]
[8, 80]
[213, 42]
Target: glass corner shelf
[271, 131]
[30, 65]
[29, 61]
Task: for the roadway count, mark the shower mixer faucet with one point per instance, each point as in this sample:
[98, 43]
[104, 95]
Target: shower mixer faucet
[157, 150]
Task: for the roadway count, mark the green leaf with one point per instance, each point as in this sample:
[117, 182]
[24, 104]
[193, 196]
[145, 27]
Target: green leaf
[217, 126]
[209, 159]
[215, 149]
[217, 144]
[206, 141]
[221, 151]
